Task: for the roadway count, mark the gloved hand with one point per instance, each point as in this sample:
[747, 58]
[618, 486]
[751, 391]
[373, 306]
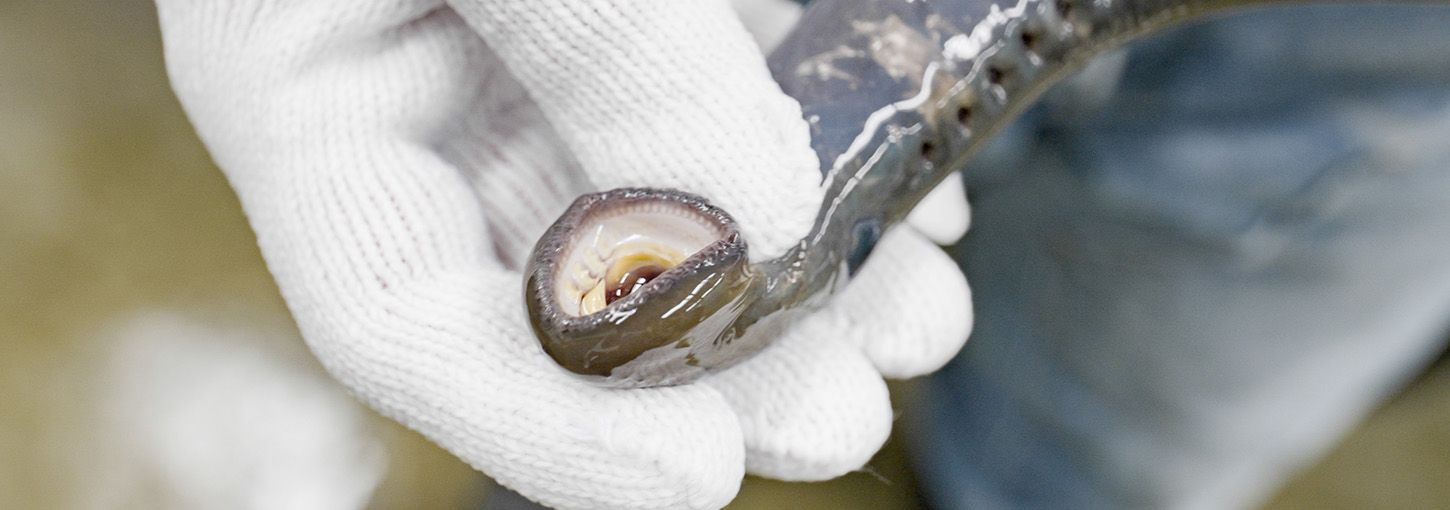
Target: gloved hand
[398, 158]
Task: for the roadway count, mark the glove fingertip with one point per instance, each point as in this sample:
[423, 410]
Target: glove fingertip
[810, 409]
[944, 215]
[911, 305]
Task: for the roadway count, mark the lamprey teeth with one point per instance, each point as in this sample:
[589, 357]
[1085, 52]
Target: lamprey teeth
[635, 272]
[612, 248]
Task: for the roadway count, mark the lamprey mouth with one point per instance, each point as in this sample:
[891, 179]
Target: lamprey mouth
[619, 243]
[628, 271]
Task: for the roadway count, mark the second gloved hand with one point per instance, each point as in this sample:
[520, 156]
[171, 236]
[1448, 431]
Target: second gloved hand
[398, 158]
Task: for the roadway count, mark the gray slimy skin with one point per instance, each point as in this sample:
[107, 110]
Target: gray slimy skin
[898, 94]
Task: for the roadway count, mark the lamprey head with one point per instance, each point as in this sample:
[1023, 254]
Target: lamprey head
[638, 287]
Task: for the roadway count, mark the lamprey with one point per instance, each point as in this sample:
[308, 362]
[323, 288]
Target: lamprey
[638, 287]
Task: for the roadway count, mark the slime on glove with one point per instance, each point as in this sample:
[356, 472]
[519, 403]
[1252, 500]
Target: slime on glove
[644, 287]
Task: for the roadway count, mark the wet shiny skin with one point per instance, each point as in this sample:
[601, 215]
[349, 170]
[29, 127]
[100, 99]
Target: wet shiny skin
[898, 94]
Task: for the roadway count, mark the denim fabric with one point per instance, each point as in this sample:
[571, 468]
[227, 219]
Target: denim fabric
[1195, 287]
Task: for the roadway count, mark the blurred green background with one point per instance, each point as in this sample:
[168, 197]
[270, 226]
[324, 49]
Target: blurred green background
[147, 361]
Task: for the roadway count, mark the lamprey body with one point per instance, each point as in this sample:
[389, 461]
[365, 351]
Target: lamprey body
[898, 93]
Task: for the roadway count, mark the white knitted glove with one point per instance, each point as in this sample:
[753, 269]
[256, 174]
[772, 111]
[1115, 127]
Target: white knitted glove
[396, 175]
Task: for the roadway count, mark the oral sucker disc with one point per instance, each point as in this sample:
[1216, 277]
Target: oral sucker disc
[616, 252]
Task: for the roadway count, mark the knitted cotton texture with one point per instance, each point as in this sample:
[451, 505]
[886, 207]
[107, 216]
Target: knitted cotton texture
[398, 158]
